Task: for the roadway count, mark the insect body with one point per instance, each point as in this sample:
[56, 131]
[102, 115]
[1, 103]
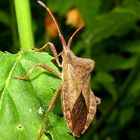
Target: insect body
[78, 101]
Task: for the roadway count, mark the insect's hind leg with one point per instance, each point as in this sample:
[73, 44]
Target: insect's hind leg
[52, 102]
[42, 66]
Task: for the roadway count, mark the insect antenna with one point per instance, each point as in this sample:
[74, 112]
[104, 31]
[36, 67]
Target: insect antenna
[71, 38]
[59, 32]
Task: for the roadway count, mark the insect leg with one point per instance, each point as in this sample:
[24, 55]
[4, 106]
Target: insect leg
[42, 66]
[52, 102]
[52, 47]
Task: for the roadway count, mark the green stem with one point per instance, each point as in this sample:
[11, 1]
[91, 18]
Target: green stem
[23, 15]
[13, 28]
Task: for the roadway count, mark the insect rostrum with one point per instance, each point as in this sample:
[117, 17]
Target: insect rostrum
[78, 100]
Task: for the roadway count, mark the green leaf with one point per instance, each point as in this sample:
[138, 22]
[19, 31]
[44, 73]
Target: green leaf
[23, 103]
[134, 89]
[132, 6]
[107, 81]
[62, 6]
[114, 62]
[126, 115]
[112, 116]
[5, 18]
[57, 127]
[88, 10]
[132, 47]
[118, 22]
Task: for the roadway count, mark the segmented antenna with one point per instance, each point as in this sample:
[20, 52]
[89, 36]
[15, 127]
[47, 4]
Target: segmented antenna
[71, 38]
[59, 33]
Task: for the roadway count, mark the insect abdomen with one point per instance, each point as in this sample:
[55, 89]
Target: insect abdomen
[79, 116]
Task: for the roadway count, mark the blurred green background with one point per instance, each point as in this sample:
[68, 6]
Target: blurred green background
[111, 37]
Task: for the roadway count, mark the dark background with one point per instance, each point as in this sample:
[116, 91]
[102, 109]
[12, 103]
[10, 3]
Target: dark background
[111, 37]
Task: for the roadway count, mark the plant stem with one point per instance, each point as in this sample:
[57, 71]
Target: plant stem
[23, 15]
[15, 44]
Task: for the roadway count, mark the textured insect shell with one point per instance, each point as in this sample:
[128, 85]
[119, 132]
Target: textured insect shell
[78, 101]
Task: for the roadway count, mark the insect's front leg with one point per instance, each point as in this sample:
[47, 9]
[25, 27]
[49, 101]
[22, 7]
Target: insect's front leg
[52, 47]
[42, 66]
[52, 102]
